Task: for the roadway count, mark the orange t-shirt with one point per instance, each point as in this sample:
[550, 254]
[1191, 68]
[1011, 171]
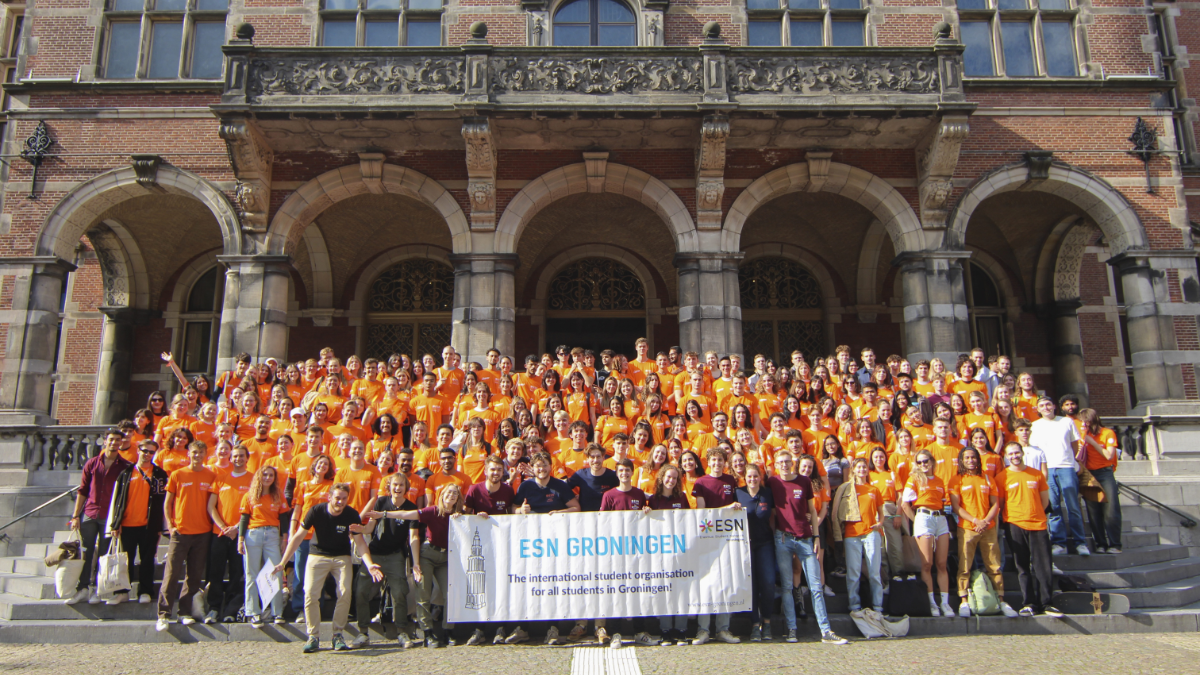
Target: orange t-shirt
[573, 460]
[986, 421]
[965, 388]
[946, 458]
[191, 489]
[490, 418]
[932, 496]
[137, 500]
[260, 451]
[427, 409]
[396, 407]
[229, 490]
[1022, 494]
[438, 482]
[1095, 458]
[298, 468]
[308, 494]
[472, 462]
[869, 504]
[169, 424]
[608, 426]
[885, 482]
[171, 460]
[362, 483]
[203, 431]
[370, 391]
[974, 495]
[266, 512]
[901, 465]
[416, 487]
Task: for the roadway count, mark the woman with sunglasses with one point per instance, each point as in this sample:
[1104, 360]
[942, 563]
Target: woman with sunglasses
[922, 503]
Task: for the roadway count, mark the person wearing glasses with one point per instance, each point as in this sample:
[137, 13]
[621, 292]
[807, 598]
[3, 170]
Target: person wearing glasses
[922, 503]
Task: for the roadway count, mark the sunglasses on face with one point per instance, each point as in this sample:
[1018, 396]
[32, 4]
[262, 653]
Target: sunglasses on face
[924, 461]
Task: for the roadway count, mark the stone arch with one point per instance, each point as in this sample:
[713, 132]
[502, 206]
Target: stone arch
[122, 266]
[1103, 203]
[872, 192]
[322, 269]
[558, 262]
[356, 312]
[618, 179]
[831, 304]
[867, 290]
[1046, 279]
[1011, 296]
[82, 207]
[299, 210]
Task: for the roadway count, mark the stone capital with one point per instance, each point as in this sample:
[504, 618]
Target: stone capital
[39, 264]
[252, 159]
[937, 160]
[710, 171]
[129, 316]
[481, 172]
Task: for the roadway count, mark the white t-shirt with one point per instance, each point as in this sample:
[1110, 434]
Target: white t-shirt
[1034, 458]
[1056, 438]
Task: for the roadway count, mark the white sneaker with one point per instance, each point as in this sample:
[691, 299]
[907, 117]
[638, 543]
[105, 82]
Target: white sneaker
[1083, 550]
[1007, 610]
[964, 610]
[361, 641]
[728, 638]
[518, 635]
[642, 639]
[552, 635]
[144, 599]
[187, 619]
[80, 596]
[829, 592]
[1054, 569]
[615, 641]
[947, 610]
[933, 609]
[1058, 549]
[93, 596]
[162, 624]
[701, 637]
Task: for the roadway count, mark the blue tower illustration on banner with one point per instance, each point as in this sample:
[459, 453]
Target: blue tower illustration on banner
[476, 576]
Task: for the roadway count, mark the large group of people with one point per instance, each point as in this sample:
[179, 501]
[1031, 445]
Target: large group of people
[353, 469]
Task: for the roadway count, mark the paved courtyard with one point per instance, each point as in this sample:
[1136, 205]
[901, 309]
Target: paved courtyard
[1150, 653]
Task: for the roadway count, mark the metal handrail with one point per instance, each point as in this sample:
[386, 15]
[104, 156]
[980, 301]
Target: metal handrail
[1184, 519]
[4, 536]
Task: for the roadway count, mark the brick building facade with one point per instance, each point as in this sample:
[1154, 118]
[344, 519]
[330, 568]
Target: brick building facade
[748, 177]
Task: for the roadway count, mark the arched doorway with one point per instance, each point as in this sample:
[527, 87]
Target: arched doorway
[597, 304]
[986, 309]
[408, 309]
[781, 309]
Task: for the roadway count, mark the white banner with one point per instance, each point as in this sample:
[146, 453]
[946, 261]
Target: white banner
[610, 564]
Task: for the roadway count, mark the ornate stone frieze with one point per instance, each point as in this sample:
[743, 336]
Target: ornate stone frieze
[596, 75]
[828, 75]
[293, 76]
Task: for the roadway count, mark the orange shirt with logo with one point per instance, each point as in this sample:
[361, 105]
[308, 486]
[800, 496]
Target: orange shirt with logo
[932, 496]
[264, 513]
[191, 489]
[362, 482]
[229, 490]
[974, 495]
[870, 501]
[1095, 458]
[1022, 494]
[137, 500]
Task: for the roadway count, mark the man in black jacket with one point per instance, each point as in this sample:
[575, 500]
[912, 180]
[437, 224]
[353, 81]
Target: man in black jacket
[137, 516]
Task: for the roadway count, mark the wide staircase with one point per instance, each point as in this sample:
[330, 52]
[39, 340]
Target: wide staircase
[1158, 570]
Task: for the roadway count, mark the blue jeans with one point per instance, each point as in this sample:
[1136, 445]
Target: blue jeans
[785, 547]
[301, 560]
[1105, 516]
[1064, 486]
[762, 574]
[870, 544]
[262, 543]
[669, 623]
[704, 620]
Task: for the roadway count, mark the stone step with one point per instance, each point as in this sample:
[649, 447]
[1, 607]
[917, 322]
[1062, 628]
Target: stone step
[22, 609]
[1144, 555]
[27, 586]
[1175, 593]
[1144, 576]
[1166, 467]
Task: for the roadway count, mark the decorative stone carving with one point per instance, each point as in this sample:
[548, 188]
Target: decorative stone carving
[1070, 260]
[146, 169]
[1038, 162]
[595, 165]
[370, 164]
[538, 33]
[818, 168]
[937, 159]
[481, 172]
[383, 75]
[596, 75]
[113, 268]
[710, 171]
[654, 28]
[843, 75]
[251, 159]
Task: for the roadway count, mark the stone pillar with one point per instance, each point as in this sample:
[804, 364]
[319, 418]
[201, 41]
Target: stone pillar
[485, 312]
[1152, 344]
[1067, 351]
[710, 302]
[936, 322]
[254, 316]
[28, 376]
[116, 347]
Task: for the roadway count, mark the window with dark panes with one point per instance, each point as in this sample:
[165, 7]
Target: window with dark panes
[1018, 38]
[199, 319]
[381, 23]
[164, 39]
[595, 23]
[806, 23]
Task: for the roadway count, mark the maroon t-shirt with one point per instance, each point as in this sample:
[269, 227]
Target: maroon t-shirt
[717, 491]
[615, 500]
[480, 500]
[438, 531]
[677, 502]
[791, 503]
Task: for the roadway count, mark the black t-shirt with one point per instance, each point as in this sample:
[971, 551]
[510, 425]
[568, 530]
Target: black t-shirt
[759, 512]
[331, 534]
[553, 497]
[592, 487]
[391, 535]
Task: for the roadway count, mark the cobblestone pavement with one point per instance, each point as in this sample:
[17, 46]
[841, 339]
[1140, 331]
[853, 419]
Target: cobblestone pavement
[1151, 653]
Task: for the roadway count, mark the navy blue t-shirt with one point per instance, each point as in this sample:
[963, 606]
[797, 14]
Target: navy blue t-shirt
[592, 487]
[553, 497]
[758, 513]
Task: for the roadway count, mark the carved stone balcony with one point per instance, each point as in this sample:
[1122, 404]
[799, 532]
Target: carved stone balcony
[479, 77]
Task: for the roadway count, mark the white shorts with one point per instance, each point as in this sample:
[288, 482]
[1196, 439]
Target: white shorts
[930, 525]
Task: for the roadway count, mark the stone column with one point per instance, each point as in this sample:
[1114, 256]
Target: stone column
[116, 346]
[1067, 351]
[485, 312]
[710, 302]
[254, 315]
[33, 321]
[1152, 344]
[936, 322]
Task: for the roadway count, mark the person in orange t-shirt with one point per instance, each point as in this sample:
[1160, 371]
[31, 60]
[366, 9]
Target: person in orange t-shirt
[1100, 444]
[264, 513]
[864, 537]
[973, 496]
[364, 479]
[137, 516]
[261, 447]
[179, 418]
[429, 407]
[945, 452]
[188, 491]
[449, 475]
[1026, 497]
[224, 508]
[922, 502]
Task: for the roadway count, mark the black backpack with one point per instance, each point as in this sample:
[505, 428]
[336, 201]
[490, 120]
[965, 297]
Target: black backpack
[908, 596]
